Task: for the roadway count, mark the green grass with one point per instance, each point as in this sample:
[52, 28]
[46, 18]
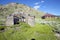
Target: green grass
[40, 32]
[25, 32]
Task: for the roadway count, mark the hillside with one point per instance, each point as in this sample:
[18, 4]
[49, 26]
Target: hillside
[24, 32]
[42, 30]
[12, 7]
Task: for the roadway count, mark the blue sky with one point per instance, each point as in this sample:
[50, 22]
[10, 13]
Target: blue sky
[50, 6]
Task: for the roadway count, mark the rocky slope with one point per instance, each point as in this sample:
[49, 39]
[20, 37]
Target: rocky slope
[13, 7]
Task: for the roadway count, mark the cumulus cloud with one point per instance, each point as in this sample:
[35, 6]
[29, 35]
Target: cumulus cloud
[37, 7]
[42, 1]
[38, 4]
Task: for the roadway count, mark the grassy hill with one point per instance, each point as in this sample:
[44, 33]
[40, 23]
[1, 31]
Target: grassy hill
[24, 32]
[12, 7]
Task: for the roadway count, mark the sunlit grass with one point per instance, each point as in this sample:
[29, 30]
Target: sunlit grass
[25, 32]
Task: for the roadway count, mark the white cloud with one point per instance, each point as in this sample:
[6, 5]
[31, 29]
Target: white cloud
[42, 1]
[36, 3]
[37, 7]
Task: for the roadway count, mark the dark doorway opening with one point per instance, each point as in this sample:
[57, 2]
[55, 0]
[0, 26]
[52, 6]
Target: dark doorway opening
[16, 20]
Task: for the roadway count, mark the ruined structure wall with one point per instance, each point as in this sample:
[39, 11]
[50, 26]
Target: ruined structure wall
[9, 21]
[31, 21]
[24, 18]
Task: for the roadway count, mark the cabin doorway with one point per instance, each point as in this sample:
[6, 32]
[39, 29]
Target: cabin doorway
[16, 20]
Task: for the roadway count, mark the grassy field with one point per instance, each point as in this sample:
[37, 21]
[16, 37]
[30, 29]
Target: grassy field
[25, 32]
